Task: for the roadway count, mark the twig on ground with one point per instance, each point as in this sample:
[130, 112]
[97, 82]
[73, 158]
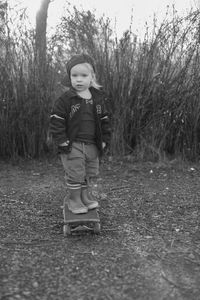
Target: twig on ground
[174, 284]
[120, 187]
[144, 227]
[169, 281]
[172, 242]
[196, 262]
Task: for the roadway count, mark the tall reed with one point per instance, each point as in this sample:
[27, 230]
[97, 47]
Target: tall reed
[152, 83]
[24, 103]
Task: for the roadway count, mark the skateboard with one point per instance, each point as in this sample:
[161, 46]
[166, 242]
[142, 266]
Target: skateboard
[80, 222]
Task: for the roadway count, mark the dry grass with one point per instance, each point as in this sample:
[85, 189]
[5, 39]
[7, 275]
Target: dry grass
[153, 85]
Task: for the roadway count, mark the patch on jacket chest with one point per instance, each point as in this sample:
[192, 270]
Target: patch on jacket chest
[74, 109]
[98, 108]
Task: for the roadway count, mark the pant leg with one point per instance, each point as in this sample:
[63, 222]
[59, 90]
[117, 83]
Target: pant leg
[91, 161]
[74, 166]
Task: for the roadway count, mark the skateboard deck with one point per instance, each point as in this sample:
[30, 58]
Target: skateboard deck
[80, 222]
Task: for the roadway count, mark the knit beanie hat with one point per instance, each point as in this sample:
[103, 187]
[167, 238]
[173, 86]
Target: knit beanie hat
[79, 59]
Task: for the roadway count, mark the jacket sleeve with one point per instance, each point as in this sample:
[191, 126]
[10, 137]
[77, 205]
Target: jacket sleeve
[105, 121]
[58, 121]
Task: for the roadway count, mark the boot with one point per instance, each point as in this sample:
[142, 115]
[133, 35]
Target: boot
[87, 200]
[75, 204]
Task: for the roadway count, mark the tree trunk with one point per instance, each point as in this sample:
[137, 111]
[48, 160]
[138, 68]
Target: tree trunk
[3, 12]
[40, 39]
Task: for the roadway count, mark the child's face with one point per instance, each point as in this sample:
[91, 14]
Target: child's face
[81, 77]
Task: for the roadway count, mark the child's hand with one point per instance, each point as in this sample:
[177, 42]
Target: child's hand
[103, 145]
[64, 144]
[65, 148]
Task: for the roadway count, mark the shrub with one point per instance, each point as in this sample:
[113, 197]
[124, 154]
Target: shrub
[153, 84]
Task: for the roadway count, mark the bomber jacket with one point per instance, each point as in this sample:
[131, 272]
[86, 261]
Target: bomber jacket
[65, 119]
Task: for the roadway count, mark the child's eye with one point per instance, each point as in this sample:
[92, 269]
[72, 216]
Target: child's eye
[82, 75]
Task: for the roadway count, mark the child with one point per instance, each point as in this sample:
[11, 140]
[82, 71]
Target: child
[80, 126]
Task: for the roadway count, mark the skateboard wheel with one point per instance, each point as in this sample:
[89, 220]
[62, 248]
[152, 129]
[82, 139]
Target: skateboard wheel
[66, 229]
[97, 228]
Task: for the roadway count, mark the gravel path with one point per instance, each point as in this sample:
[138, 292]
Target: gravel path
[149, 246]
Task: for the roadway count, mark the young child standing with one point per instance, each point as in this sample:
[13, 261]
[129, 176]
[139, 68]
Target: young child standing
[80, 126]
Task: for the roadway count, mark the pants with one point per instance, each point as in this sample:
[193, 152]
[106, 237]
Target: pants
[80, 164]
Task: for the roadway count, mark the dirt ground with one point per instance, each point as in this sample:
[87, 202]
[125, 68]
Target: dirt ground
[149, 246]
